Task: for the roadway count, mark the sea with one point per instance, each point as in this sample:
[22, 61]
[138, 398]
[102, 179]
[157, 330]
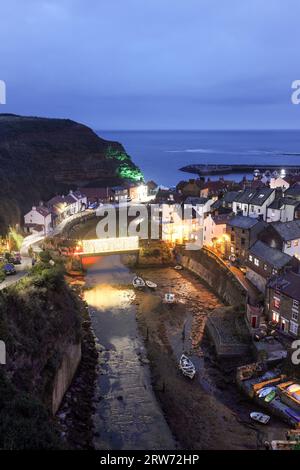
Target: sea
[161, 154]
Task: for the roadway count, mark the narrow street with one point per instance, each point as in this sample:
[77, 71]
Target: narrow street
[21, 271]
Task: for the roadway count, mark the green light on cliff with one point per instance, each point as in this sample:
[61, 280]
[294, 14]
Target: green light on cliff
[128, 172]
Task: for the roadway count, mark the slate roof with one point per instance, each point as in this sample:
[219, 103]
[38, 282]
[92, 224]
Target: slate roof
[256, 197]
[269, 255]
[287, 284]
[288, 230]
[243, 222]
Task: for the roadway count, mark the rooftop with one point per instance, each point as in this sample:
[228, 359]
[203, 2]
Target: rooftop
[271, 256]
[244, 222]
[287, 230]
[287, 284]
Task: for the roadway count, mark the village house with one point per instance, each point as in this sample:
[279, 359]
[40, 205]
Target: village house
[264, 262]
[284, 236]
[283, 209]
[224, 203]
[65, 206]
[96, 196]
[215, 188]
[138, 193]
[121, 194]
[38, 220]
[254, 203]
[242, 234]
[279, 182]
[214, 231]
[190, 188]
[283, 302]
[293, 191]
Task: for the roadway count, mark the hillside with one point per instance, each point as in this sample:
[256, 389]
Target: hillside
[40, 157]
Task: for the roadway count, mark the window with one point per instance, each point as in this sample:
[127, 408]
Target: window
[243, 241]
[275, 316]
[274, 271]
[276, 302]
[294, 328]
[295, 310]
[256, 262]
[288, 244]
[265, 267]
[250, 258]
[296, 242]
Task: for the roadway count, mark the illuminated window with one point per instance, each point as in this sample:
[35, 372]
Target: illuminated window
[250, 258]
[256, 262]
[288, 244]
[275, 316]
[276, 302]
[294, 328]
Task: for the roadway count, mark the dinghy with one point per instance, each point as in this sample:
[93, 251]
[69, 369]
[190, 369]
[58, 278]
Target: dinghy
[260, 417]
[270, 396]
[151, 285]
[187, 367]
[265, 391]
[138, 282]
[178, 267]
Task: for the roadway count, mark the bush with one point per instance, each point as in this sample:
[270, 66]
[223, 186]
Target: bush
[24, 421]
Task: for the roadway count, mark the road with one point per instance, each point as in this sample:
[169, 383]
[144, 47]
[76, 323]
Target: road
[21, 269]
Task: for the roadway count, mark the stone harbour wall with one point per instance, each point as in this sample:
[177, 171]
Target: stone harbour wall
[214, 272]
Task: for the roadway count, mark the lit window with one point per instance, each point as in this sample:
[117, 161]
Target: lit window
[296, 242]
[275, 316]
[276, 302]
[250, 258]
[288, 244]
[294, 328]
[256, 262]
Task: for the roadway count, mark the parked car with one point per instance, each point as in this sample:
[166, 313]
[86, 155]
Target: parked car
[9, 269]
[15, 258]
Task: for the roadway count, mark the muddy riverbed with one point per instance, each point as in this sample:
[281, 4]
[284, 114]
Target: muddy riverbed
[143, 400]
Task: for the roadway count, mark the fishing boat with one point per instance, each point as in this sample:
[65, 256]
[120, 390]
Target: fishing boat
[260, 417]
[270, 396]
[178, 267]
[151, 285]
[187, 367]
[265, 391]
[138, 282]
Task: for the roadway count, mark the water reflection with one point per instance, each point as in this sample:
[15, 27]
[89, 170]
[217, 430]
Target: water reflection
[105, 296]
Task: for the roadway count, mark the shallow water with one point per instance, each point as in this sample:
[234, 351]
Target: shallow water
[127, 415]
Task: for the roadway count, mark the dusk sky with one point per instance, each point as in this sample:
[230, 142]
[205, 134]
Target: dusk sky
[153, 64]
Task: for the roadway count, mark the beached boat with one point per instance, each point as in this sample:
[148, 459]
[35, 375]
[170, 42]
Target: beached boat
[178, 267]
[265, 391]
[151, 285]
[260, 417]
[187, 367]
[270, 396]
[138, 282]
[169, 298]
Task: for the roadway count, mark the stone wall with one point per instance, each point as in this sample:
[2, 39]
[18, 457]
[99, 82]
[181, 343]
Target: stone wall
[65, 373]
[215, 273]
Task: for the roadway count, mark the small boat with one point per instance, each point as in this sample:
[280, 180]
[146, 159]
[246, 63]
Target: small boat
[260, 417]
[187, 367]
[178, 267]
[151, 285]
[265, 391]
[169, 298]
[270, 396]
[138, 282]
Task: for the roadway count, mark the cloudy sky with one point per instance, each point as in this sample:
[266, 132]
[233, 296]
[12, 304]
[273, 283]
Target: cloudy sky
[152, 64]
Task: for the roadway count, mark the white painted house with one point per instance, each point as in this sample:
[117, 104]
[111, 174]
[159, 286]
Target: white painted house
[38, 220]
[279, 182]
[253, 202]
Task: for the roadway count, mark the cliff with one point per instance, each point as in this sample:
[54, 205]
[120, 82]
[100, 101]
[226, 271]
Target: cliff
[40, 157]
[40, 323]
